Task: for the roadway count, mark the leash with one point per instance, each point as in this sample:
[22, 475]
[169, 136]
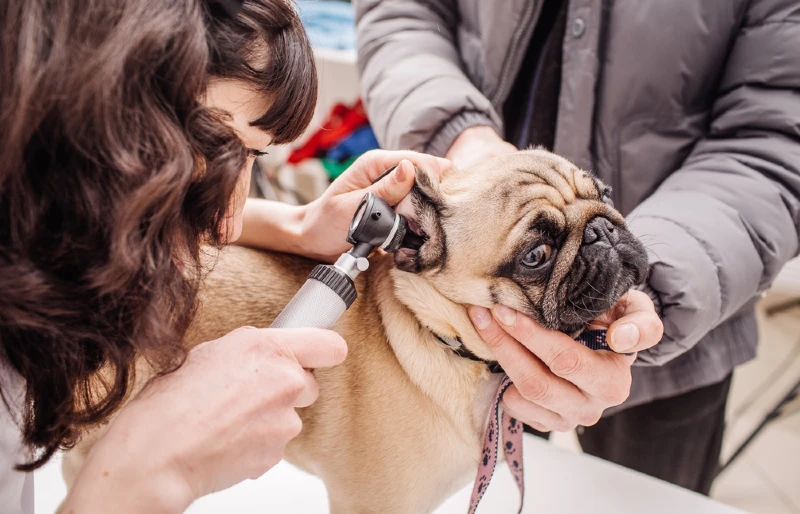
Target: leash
[511, 431]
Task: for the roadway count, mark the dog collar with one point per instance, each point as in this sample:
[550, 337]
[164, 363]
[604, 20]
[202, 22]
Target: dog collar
[458, 348]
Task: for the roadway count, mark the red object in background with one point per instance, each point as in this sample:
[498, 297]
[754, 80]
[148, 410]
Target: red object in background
[341, 122]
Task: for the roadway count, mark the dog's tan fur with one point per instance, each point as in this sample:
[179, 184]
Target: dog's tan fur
[398, 427]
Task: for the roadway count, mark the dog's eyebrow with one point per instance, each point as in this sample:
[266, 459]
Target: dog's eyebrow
[545, 224]
[543, 220]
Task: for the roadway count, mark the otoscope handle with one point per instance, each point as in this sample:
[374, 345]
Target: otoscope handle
[329, 290]
[321, 301]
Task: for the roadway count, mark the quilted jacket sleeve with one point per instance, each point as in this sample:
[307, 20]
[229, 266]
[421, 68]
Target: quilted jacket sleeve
[407, 58]
[727, 220]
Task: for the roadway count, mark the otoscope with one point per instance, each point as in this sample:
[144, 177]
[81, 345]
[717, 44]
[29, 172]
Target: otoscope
[329, 289]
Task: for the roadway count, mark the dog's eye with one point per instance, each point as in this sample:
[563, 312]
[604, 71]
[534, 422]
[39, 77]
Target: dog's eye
[537, 257]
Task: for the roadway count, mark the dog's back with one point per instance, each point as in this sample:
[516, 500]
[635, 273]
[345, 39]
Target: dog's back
[245, 287]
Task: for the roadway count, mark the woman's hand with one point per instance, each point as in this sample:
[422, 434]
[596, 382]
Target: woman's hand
[559, 383]
[327, 219]
[224, 416]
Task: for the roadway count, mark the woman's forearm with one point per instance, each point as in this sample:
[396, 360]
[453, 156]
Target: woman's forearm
[272, 226]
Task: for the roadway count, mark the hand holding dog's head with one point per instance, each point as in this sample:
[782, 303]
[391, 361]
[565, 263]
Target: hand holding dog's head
[530, 231]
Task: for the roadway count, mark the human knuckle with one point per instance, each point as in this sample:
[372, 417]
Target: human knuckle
[534, 387]
[294, 426]
[241, 330]
[622, 394]
[636, 296]
[566, 362]
[494, 339]
[272, 346]
[295, 379]
[258, 464]
[564, 424]
[270, 461]
[541, 427]
[657, 329]
[617, 391]
[256, 341]
[373, 154]
[590, 418]
[290, 383]
[273, 454]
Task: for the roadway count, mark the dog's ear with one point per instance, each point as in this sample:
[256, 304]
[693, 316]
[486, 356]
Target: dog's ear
[428, 187]
[425, 220]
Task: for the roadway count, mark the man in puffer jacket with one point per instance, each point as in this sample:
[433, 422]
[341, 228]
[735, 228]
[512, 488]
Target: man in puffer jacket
[689, 110]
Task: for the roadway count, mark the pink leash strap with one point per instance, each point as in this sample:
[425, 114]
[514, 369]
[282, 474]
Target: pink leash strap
[512, 445]
[512, 434]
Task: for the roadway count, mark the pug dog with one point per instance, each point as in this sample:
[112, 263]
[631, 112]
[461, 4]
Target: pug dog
[399, 426]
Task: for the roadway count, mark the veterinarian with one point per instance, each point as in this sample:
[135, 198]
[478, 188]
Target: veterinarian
[129, 130]
[691, 111]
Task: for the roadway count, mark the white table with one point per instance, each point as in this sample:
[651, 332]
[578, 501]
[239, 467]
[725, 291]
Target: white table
[557, 481]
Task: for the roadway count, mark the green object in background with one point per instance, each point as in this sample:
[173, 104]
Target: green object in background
[335, 168]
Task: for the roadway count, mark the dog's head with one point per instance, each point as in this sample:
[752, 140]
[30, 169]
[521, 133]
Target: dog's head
[530, 231]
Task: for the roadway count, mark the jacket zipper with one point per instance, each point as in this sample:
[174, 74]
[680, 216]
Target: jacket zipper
[523, 28]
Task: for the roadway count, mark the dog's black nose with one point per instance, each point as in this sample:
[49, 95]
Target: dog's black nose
[600, 229]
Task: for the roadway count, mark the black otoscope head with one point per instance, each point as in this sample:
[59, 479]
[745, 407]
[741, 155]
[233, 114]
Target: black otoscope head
[376, 225]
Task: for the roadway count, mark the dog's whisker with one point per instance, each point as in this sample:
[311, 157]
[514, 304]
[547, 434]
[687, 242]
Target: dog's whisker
[604, 296]
[585, 309]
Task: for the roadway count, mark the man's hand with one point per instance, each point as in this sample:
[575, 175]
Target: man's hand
[477, 144]
[559, 383]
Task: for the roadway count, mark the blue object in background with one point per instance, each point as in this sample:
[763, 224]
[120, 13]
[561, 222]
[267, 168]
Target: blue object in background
[330, 24]
[357, 143]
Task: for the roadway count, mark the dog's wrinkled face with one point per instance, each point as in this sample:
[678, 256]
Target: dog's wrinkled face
[530, 231]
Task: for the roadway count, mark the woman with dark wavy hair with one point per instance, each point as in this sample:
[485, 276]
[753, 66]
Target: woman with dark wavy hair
[129, 130]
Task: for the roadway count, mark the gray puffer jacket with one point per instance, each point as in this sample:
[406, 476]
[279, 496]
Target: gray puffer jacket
[689, 109]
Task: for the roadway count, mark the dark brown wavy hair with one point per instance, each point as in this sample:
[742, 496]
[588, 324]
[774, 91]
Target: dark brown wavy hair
[112, 176]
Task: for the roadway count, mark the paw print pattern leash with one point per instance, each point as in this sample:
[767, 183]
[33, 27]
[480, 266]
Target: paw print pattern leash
[512, 445]
[512, 435]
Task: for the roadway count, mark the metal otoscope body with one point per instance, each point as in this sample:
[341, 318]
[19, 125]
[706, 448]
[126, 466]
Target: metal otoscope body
[330, 290]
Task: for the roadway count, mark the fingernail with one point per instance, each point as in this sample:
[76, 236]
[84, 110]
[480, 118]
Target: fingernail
[625, 337]
[504, 315]
[480, 317]
[401, 172]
